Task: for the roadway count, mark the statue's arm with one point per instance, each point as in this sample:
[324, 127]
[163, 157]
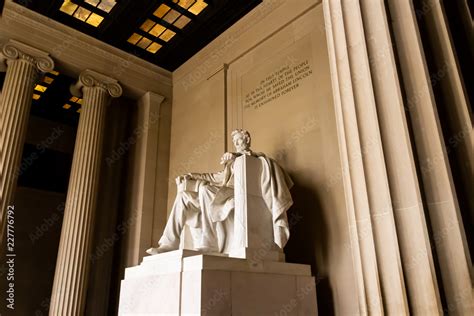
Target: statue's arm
[214, 178]
[217, 178]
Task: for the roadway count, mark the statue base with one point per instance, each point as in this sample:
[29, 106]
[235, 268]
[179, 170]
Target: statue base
[186, 282]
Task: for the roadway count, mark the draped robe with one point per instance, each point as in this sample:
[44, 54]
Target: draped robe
[207, 203]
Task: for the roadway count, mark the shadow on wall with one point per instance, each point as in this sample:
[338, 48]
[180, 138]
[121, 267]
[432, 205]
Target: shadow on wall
[109, 227]
[309, 240]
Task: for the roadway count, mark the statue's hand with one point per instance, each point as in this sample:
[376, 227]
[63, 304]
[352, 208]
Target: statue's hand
[227, 157]
[183, 177]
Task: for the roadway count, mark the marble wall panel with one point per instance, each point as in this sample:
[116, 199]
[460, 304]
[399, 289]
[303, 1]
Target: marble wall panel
[280, 90]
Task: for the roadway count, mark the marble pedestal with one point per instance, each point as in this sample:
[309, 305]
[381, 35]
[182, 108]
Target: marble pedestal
[185, 282]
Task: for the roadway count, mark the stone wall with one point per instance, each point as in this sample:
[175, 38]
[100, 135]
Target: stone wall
[269, 74]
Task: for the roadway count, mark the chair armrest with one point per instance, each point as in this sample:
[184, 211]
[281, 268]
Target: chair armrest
[188, 185]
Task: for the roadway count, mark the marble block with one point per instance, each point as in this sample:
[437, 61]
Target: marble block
[186, 282]
[253, 223]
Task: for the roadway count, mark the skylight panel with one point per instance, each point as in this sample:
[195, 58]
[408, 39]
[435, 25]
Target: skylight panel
[92, 12]
[168, 18]
[197, 7]
[45, 83]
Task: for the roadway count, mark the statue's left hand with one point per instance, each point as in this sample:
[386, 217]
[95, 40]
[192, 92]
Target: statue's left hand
[180, 179]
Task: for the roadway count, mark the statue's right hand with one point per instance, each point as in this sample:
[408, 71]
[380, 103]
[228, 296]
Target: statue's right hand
[227, 157]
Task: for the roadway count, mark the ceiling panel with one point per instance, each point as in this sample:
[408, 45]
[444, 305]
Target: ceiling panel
[164, 32]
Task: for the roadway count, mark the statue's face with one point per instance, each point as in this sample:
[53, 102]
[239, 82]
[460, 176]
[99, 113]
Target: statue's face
[240, 143]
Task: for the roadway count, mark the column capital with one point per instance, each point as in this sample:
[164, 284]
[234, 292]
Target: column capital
[14, 50]
[90, 78]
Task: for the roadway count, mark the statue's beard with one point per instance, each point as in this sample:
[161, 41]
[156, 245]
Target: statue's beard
[242, 149]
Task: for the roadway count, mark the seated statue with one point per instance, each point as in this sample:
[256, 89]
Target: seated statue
[206, 201]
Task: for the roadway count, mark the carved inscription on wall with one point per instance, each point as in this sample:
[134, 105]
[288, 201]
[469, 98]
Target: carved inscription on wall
[286, 80]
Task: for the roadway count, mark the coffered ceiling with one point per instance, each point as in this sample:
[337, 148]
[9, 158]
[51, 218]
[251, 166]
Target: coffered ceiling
[164, 32]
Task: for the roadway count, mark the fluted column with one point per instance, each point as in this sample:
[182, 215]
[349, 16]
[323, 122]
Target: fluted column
[441, 200]
[375, 171]
[70, 279]
[366, 267]
[420, 278]
[24, 63]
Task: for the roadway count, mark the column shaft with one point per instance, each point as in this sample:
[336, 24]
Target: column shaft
[385, 235]
[331, 19]
[72, 266]
[362, 238]
[454, 105]
[24, 62]
[17, 98]
[435, 170]
[406, 197]
[70, 281]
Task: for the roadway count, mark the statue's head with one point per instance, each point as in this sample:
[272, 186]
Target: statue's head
[241, 139]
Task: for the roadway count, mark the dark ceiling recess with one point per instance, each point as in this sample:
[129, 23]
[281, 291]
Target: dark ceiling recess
[48, 171]
[128, 17]
[53, 101]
